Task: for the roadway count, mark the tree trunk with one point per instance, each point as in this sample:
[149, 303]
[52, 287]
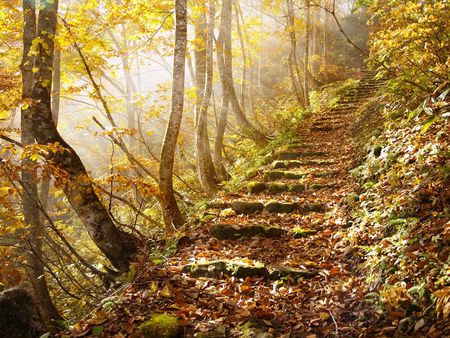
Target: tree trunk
[30, 208]
[294, 72]
[171, 213]
[204, 84]
[218, 146]
[225, 63]
[306, 61]
[117, 246]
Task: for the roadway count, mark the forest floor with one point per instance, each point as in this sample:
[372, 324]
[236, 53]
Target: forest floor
[269, 261]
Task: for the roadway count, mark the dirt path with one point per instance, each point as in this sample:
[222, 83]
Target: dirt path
[269, 257]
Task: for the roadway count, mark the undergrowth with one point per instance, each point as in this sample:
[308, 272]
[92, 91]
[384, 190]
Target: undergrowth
[400, 214]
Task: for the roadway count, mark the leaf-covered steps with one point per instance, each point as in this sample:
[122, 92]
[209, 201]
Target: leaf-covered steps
[248, 208]
[245, 269]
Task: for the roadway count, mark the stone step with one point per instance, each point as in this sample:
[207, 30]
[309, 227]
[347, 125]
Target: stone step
[245, 268]
[274, 188]
[275, 175]
[299, 232]
[295, 155]
[232, 231]
[249, 208]
[299, 164]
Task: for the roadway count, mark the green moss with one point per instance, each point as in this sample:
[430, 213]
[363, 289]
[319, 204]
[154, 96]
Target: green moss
[281, 208]
[301, 232]
[219, 332]
[247, 208]
[256, 187]
[160, 326]
[276, 188]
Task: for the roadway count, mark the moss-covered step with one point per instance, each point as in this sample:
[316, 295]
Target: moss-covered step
[298, 164]
[229, 231]
[246, 208]
[218, 269]
[280, 207]
[274, 188]
[160, 326]
[243, 269]
[274, 175]
[293, 155]
[299, 232]
[257, 187]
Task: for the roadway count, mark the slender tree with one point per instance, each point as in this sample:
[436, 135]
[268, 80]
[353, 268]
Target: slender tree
[294, 71]
[225, 63]
[222, 174]
[306, 61]
[204, 83]
[171, 212]
[117, 246]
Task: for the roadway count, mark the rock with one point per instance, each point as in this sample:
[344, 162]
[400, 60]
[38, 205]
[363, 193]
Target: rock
[319, 186]
[301, 232]
[287, 164]
[294, 176]
[217, 269]
[284, 271]
[256, 187]
[297, 188]
[161, 326]
[241, 269]
[228, 212]
[281, 208]
[276, 188]
[247, 208]
[313, 207]
[274, 175]
[218, 332]
[254, 328]
[228, 231]
[18, 315]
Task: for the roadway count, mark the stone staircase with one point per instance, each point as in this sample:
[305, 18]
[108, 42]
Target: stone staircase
[290, 205]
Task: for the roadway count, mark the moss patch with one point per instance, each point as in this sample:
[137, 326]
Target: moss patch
[256, 187]
[161, 326]
[281, 208]
[276, 188]
[247, 208]
[301, 232]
